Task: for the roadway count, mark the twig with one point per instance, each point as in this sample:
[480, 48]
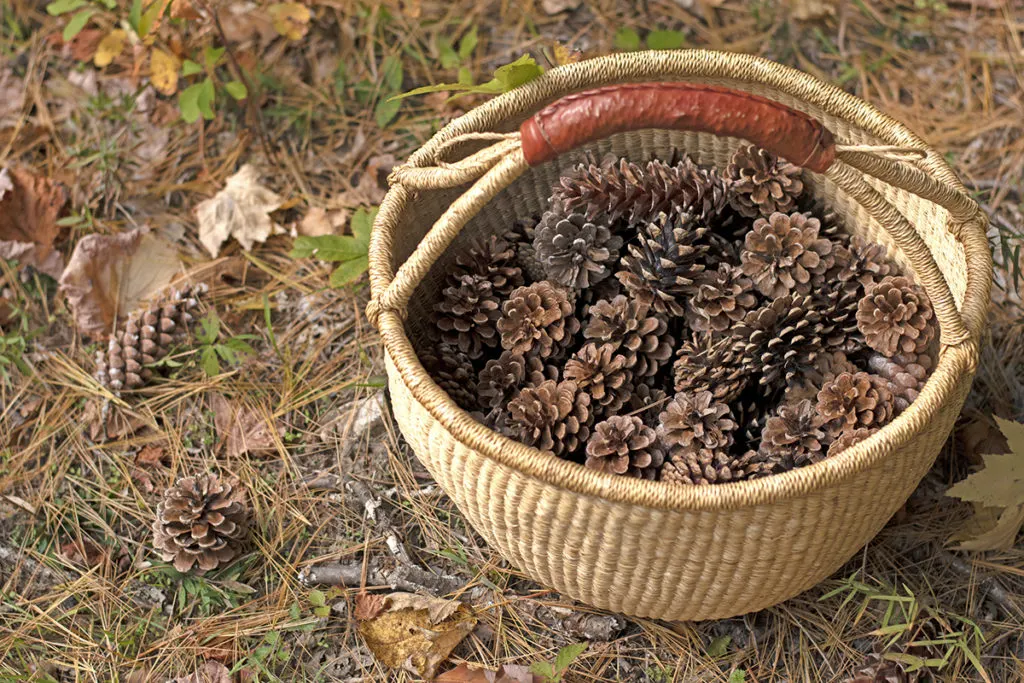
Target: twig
[403, 577]
[988, 584]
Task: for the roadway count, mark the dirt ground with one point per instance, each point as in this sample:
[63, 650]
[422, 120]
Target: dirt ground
[85, 598]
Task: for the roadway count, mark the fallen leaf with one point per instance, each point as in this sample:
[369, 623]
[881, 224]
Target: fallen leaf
[242, 429]
[372, 184]
[564, 55]
[556, 6]
[368, 605]
[246, 22]
[291, 19]
[82, 47]
[990, 529]
[415, 632]
[110, 275]
[183, 9]
[109, 48]
[318, 221]
[810, 10]
[153, 457]
[29, 208]
[210, 672]
[978, 436]
[85, 553]
[163, 71]
[508, 673]
[112, 424]
[241, 210]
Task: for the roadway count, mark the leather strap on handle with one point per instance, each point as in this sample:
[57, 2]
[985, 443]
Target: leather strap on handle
[584, 117]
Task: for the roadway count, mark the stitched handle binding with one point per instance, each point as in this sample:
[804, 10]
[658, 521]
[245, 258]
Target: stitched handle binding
[583, 117]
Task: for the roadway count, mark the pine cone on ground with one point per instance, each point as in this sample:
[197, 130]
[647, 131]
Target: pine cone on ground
[202, 522]
[601, 372]
[847, 438]
[781, 339]
[663, 266]
[794, 436]
[468, 313]
[721, 299]
[906, 374]
[493, 259]
[624, 445]
[553, 416]
[782, 254]
[707, 363]
[146, 337]
[573, 251]
[698, 430]
[895, 316]
[856, 400]
[637, 333]
[761, 183]
[538, 320]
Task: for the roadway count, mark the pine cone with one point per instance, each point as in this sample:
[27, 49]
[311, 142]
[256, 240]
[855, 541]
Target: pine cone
[826, 367]
[639, 335]
[722, 298]
[781, 339]
[468, 313]
[782, 254]
[754, 464]
[646, 398]
[202, 521]
[707, 363]
[895, 316]
[624, 445]
[794, 436]
[837, 304]
[146, 337]
[870, 262]
[553, 416]
[849, 438]
[538, 320]
[699, 467]
[494, 259]
[602, 373]
[906, 374]
[573, 251]
[761, 183]
[698, 430]
[454, 373]
[856, 400]
[661, 270]
[522, 235]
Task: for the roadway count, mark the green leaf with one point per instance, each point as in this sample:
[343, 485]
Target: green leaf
[328, 247]
[466, 78]
[738, 676]
[150, 16]
[386, 111]
[59, 7]
[317, 598]
[236, 89]
[665, 40]
[188, 103]
[212, 55]
[543, 669]
[719, 646]
[362, 224]
[391, 72]
[208, 361]
[521, 71]
[447, 54]
[190, 68]
[77, 23]
[209, 328]
[205, 99]
[567, 655]
[324, 611]
[135, 15]
[627, 39]
[349, 271]
[439, 87]
[468, 44]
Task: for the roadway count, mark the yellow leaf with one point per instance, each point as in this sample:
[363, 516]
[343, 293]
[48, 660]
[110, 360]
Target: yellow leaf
[1001, 482]
[563, 55]
[163, 72]
[109, 48]
[291, 19]
[984, 533]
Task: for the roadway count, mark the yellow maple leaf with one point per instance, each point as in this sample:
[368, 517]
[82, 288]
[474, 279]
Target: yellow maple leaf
[163, 72]
[563, 55]
[109, 48]
[291, 19]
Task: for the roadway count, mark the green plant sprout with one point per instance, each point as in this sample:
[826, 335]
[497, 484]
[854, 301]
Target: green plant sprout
[351, 252]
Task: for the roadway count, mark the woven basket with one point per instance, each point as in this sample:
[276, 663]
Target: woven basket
[647, 548]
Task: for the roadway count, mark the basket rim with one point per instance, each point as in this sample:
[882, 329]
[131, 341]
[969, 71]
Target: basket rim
[955, 364]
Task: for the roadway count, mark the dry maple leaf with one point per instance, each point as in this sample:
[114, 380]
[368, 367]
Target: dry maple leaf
[110, 275]
[29, 208]
[416, 633]
[241, 210]
[242, 429]
[318, 221]
[210, 672]
[507, 673]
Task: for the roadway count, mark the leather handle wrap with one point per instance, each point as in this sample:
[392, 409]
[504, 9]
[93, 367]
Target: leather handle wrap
[584, 117]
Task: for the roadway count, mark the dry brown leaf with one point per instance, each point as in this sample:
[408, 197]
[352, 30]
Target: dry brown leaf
[556, 6]
[110, 275]
[210, 672]
[29, 208]
[370, 189]
[415, 632]
[163, 71]
[241, 210]
[183, 9]
[85, 553]
[116, 423]
[318, 221]
[152, 456]
[291, 19]
[242, 429]
[368, 605]
[508, 673]
[810, 10]
[246, 22]
[990, 529]
[979, 436]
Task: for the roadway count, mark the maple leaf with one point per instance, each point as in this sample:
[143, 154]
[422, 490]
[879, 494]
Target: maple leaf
[241, 428]
[29, 208]
[998, 491]
[241, 210]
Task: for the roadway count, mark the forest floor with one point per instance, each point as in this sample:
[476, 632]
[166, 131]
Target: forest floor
[302, 421]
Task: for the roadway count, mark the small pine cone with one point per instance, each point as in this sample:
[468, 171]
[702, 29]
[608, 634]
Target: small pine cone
[706, 363]
[647, 399]
[698, 467]
[761, 183]
[836, 305]
[906, 373]
[573, 251]
[849, 438]
[696, 421]
[870, 263]
[781, 339]
[493, 259]
[502, 378]
[895, 316]
[826, 367]
[468, 313]
[625, 445]
[794, 436]
[664, 264]
[453, 371]
[602, 373]
[638, 334]
[782, 254]
[202, 522]
[856, 400]
[553, 416]
[755, 464]
[538, 320]
[722, 298]
[522, 235]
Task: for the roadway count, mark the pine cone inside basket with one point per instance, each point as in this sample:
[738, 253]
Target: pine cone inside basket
[468, 313]
[634, 330]
[601, 372]
[849, 437]
[906, 374]
[553, 416]
[856, 400]
[538, 320]
[722, 298]
[454, 373]
[709, 363]
[493, 259]
[795, 436]
[895, 316]
[761, 183]
[625, 445]
[573, 251]
[782, 254]
[698, 430]
[202, 522]
[781, 339]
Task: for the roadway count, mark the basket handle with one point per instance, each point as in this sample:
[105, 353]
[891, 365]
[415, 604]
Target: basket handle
[577, 119]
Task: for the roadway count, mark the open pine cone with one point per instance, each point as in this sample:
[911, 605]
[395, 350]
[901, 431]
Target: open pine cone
[709, 363]
[493, 259]
[503, 377]
[906, 374]
[601, 372]
[636, 332]
[698, 430]
[794, 436]
[625, 445]
[783, 253]
[849, 437]
[538, 320]
[722, 298]
[761, 183]
[781, 339]
[468, 313]
[856, 400]
[202, 522]
[553, 416]
[895, 316]
[454, 373]
[573, 251]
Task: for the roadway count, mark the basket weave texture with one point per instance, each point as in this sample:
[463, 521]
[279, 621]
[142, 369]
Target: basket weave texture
[646, 548]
